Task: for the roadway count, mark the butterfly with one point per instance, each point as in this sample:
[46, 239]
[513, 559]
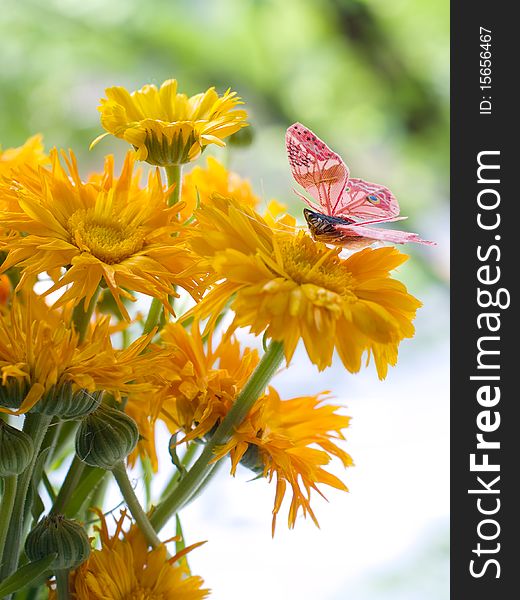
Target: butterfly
[342, 206]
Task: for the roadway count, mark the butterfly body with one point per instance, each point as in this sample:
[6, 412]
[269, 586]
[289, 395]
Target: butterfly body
[342, 206]
[324, 228]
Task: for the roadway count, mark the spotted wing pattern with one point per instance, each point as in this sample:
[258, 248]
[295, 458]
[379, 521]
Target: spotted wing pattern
[364, 200]
[318, 169]
[325, 176]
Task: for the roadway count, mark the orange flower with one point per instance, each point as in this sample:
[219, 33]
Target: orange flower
[31, 153]
[194, 386]
[292, 440]
[124, 568]
[109, 231]
[201, 183]
[41, 354]
[291, 288]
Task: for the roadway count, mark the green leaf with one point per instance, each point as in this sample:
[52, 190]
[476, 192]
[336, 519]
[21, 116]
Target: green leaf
[48, 487]
[180, 544]
[89, 481]
[26, 575]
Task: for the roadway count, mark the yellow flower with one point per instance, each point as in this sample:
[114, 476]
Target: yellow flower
[41, 357]
[292, 288]
[292, 440]
[15, 161]
[30, 153]
[194, 386]
[124, 569]
[106, 231]
[167, 128]
[201, 183]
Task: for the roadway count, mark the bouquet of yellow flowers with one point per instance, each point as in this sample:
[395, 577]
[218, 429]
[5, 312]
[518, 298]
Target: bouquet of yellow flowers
[86, 377]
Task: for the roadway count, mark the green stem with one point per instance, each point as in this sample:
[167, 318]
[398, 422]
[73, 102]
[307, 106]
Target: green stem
[81, 317]
[6, 508]
[69, 485]
[62, 584]
[36, 426]
[121, 476]
[191, 483]
[153, 315]
[174, 176]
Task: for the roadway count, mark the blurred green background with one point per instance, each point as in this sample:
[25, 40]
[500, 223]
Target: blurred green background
[370, 77]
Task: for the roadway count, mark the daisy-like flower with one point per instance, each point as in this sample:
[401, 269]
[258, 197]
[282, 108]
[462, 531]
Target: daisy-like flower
[30, 153]
[106, 231]
[124, 568]
[201, 183]
[44, 367]
[167, 128]
[292, 288]
[194, 386]
[291, 440]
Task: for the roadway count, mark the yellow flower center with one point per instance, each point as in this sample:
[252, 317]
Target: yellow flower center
[105, 237]
[305, 262]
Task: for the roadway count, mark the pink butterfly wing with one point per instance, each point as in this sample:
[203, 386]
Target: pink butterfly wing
[319, 170]
[364, 200]
[392, 236]
[325, 176]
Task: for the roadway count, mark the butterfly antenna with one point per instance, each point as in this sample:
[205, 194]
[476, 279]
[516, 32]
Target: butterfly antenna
[289, 227]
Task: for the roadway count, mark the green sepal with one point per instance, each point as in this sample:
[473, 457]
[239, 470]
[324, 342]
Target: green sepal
[16, 450]
[58, 534]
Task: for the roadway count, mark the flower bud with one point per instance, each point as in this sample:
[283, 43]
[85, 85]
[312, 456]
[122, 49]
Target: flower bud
[57, 534]
[62, 401]
[252, 460]
[16, 450]
[242, 138]
[106, 437]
